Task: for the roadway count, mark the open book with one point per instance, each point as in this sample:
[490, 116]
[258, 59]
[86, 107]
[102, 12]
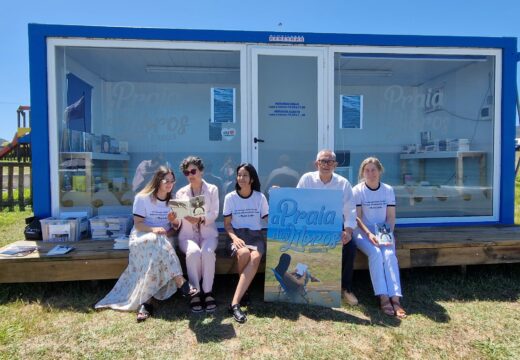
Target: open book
[301, 269]
[60, 250]
[383, 234]
[18, 250]
[192, 207]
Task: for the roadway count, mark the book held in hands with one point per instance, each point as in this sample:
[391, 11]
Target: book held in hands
[195, 206]
[384, 234]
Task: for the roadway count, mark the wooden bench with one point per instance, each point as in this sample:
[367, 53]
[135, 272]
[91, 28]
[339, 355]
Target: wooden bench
[416, 247]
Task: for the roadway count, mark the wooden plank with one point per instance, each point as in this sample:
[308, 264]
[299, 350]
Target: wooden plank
[10, 195]
[457, 236]
[434, 246]
[21, 200]
[465, 256]
[1, 186]
[56, 270]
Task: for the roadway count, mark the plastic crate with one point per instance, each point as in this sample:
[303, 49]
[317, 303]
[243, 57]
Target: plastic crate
[69, 229]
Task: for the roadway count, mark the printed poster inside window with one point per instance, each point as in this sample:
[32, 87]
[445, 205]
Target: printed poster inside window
[222, 105]
[351, 112]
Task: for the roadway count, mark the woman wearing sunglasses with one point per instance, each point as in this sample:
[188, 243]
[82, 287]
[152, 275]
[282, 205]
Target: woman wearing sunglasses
[153, 266]
[198, 235]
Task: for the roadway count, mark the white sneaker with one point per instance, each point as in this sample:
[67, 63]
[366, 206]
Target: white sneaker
[349, 298]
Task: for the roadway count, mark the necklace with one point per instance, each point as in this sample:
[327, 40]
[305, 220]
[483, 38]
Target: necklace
[193, 192]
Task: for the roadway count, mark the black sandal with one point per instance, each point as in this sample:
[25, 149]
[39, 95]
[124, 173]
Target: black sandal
[196, 303]
[145, 311]
[211, 303]
[185, 289]
[239, 316]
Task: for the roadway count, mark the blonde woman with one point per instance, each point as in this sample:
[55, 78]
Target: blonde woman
[153, 266]
[375, 204]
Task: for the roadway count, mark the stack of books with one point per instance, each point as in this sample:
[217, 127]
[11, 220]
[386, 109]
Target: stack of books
[98, 228]
[121, 242]
[110, 227]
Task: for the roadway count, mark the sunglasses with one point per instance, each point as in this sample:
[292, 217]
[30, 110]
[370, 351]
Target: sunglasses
[166, 181]
[188, 172]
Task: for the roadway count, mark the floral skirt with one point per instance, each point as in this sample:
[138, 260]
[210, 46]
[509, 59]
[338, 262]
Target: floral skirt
[152, 267]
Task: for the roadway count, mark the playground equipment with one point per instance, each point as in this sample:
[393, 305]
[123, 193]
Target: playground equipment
[19, 149]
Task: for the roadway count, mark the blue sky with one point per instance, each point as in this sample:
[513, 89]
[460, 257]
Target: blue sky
[499, 18]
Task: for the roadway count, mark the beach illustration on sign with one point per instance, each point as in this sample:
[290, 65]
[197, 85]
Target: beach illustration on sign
[303, 262]
[223, 105]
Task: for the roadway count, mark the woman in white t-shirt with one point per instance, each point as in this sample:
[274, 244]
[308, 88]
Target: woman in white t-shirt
[375, 204]
[153, 266]
[244, 210]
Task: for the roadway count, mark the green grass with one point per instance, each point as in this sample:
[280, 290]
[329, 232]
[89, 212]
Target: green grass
[26, 194]
[12, 224]
[452, 315]
[472, 316]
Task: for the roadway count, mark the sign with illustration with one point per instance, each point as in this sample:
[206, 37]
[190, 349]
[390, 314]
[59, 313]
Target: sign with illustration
[303, 262]
[222, 105]
[351, 112]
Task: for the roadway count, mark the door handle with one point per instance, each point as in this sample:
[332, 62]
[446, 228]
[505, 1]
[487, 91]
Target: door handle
[256, 140]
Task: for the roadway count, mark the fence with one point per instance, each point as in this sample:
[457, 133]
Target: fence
[16, 181]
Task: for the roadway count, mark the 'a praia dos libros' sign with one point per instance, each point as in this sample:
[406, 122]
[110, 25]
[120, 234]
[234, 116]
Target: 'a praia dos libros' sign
[303, 262]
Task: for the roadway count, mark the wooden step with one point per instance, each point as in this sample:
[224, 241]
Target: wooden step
[416, 247]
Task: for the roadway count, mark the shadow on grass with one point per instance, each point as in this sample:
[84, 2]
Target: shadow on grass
[77, 296]
[424, 290]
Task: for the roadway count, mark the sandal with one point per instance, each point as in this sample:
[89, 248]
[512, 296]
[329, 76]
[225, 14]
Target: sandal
[145, 311]
[398, 309]
[386, 307]
[211, 304]
[196, 303]
[239, 316]
[186, 290]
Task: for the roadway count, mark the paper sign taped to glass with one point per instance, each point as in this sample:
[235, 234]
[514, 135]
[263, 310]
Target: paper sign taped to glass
[303, 263]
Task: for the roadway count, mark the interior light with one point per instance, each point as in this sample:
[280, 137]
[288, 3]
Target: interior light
[366, 72]
[190, 69]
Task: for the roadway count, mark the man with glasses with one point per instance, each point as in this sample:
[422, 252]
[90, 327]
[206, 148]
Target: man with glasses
[325, 178]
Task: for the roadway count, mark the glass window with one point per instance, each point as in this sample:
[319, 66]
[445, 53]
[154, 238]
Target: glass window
[123, 112]
[429, 119]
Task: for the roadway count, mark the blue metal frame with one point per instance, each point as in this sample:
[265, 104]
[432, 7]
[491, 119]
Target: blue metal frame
[38, 34]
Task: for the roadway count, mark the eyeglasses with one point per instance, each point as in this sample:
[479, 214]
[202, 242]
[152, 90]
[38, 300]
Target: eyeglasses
[166, 181]
[188, 172]
[326, 161]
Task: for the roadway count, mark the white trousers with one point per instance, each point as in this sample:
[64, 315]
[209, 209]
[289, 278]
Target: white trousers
[383, 266]
[200, 261]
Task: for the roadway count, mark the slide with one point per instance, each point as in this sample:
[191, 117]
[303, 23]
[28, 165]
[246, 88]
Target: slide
[12, 145]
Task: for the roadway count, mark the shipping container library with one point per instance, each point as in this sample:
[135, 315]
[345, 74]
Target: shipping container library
[110, 104]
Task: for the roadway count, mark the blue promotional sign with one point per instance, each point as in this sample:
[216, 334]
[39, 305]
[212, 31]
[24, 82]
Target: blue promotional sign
[303, 262]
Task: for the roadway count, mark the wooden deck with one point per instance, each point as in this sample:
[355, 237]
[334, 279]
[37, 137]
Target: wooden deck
[417, 247]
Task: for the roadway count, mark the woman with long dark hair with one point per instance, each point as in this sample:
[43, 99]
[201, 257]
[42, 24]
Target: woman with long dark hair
[153, 266]
[244, 210]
